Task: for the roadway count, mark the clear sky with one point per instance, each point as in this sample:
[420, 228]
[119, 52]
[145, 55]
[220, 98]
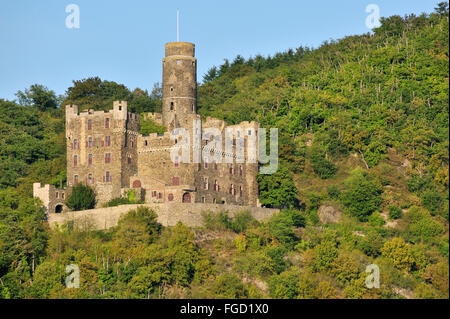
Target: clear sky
[123, 41]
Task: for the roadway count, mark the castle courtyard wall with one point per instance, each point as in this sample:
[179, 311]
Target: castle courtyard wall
[169, 214]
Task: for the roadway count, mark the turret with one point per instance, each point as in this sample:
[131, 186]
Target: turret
[179, 87]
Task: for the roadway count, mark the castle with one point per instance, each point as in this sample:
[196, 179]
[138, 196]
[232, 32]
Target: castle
[106, 151]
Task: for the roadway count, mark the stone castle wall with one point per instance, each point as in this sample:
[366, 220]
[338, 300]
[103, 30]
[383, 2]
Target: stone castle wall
[169, 214]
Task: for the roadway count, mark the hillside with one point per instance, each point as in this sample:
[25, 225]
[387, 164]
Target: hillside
[363, 179]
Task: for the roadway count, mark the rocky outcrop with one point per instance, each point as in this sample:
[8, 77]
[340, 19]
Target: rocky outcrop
[329, 215]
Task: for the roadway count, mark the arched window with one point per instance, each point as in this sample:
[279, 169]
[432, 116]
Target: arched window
[170, 197]
[90, 179]
[75, 160]
[171, 106]
[90, 159]
[75, 144]
[75, 180]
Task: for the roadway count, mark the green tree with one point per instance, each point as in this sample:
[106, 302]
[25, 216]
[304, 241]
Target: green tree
[82, 197]
[363, 195]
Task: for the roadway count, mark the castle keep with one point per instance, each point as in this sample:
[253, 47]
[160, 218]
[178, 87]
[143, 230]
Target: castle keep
[106, 151]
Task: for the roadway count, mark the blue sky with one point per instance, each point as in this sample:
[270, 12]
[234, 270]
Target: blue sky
[123, 41]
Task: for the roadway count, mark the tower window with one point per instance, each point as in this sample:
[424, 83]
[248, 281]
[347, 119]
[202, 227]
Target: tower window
[175, 181]
[75, 179]
[75, 144]
[75, 161]
[107, 157]
[108, 177]
[107, 123]
[90, 142]
[90, 179]
[90, 159]
[171, 89]
[205, 183]
[89, 124]
[107, 140]
[171, 106]
[170, 197]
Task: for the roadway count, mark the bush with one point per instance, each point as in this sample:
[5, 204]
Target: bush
[333, 191]
[432, 200]
[284, 285]
[82, 197]
[117, 201]
[321, 165]
[395, 212]
[130, 199]
[297, 217]
[229, 286]
[363, 195]
[219, 221]
[278, 189]
[241, 221]
[281, 227]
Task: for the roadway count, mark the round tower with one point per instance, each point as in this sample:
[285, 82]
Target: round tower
[179, 85]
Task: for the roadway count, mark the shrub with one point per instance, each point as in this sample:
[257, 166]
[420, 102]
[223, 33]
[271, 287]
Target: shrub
[432, 200]
[421, 226]
[82, 197]
[219, 221]
[376, 220]
[399, 253]
[229, 286]
[281, 227]
[298, 219]
[321, 165]
[333, 191]
[117, 201]
[363, 195]
[284, 285]
[278, 189]
[395, 212]
[241, 220]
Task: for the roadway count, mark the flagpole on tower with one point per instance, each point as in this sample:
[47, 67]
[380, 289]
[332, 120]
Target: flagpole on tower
[178, 25]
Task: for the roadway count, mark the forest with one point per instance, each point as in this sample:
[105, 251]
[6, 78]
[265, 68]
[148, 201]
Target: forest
[363, 132]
